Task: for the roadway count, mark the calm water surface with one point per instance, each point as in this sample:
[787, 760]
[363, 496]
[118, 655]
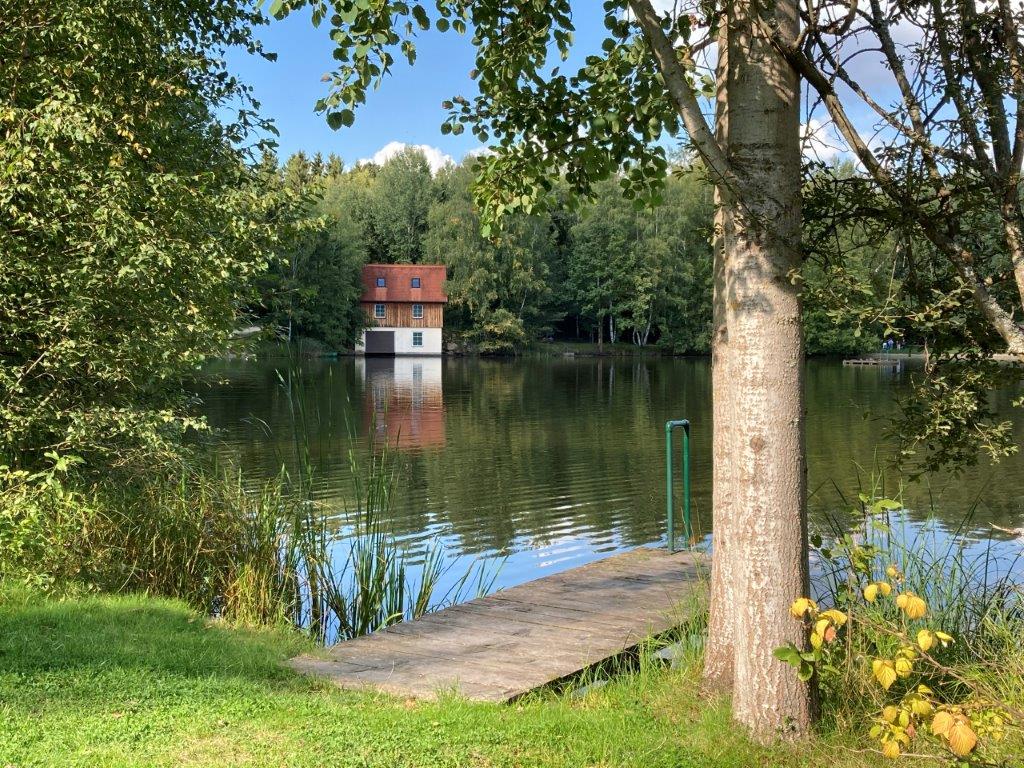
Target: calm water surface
[544, 464]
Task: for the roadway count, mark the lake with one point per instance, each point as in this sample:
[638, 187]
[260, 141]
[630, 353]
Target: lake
[541, 464]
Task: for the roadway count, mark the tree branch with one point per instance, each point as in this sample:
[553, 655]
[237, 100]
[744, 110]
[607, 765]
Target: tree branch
[682, 93]
[961, 258]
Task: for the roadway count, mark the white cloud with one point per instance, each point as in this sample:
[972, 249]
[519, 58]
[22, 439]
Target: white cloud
[435, 157]
[478, 152]
[820, 142]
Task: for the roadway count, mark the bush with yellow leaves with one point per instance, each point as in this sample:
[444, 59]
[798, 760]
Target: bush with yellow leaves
[879, 643]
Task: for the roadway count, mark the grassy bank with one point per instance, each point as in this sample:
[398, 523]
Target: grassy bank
[132, 681]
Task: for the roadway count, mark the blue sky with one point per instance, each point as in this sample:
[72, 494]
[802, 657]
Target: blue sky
[407, 107]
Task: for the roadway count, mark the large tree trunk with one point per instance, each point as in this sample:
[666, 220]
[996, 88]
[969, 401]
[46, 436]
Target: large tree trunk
[760, 560]
[719, 649]
[767, 521]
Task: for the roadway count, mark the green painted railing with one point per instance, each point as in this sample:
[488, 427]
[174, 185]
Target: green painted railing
[670, 427]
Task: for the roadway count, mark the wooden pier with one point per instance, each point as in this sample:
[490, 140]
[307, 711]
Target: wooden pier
[882, 361]
[499, 647]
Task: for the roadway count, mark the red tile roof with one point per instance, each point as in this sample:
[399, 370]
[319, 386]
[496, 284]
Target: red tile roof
[398, 283]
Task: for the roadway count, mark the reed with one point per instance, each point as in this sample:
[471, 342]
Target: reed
[196, 529]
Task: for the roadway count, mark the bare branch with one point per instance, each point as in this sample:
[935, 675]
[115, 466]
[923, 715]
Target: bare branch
[962, 259]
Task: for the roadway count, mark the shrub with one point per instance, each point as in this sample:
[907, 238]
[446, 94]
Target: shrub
[921, 641]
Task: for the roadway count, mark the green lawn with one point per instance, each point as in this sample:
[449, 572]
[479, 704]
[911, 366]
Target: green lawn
[133, 681]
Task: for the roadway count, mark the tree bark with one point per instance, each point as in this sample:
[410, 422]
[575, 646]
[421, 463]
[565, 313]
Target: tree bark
[719, 648]
[760, 559]
[767, 523]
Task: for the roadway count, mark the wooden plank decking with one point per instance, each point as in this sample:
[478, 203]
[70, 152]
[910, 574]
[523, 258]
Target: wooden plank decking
[880, 361]
[499, 647]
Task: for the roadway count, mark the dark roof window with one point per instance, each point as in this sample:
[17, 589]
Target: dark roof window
[381, 282]
[415, 282]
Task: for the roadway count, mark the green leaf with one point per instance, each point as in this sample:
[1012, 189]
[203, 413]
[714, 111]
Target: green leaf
[788, 654]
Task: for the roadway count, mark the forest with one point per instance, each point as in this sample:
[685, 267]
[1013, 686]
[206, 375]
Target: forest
[604, 270]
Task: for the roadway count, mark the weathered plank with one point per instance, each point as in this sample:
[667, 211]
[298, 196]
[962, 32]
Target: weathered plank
[499, 647]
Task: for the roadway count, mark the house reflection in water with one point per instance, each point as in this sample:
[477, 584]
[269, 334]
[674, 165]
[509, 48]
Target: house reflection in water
[403, 401]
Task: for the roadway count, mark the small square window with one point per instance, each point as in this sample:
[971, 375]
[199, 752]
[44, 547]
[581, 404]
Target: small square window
[379, 311]
[381, 282]
[417, 311]
[415, 282]
[417, 338]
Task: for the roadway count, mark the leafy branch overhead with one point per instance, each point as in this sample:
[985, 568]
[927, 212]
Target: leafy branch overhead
[540, 122]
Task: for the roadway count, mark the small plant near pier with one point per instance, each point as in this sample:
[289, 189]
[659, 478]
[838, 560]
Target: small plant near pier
[914, 645]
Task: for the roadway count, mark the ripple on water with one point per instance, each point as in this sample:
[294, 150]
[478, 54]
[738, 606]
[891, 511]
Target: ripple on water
[541, 465]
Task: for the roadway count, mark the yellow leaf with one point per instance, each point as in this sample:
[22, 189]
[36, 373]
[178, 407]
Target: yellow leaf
[925, 639]
[941, 723]
[912, 605]
[884, 672]
[891, 749]
[816, 640]
[921, 707]
[801, 606]
[836, 617]
[904, 667]
[944, 638]
[820, 626]
[916, 607]
[962, 738]
[889, 713]
[871, 593]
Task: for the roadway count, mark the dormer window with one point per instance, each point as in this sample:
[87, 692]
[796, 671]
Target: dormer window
[381, 282]
[415, 282]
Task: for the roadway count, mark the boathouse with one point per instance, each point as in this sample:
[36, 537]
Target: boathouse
[404, 306]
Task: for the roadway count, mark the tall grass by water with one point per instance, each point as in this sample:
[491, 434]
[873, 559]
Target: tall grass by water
[195, 529]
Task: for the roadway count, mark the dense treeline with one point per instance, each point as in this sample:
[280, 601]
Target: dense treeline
[601, 271]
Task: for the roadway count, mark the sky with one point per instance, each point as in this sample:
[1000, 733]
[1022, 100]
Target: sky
[405, 110]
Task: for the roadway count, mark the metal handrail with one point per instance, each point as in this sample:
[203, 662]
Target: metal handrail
[671, 426]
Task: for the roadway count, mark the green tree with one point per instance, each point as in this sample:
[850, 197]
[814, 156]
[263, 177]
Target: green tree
[312, 290]
[130, 224]
[498, 292]
[395, 221]
[646, 271]
[605, 278]
[684, 224]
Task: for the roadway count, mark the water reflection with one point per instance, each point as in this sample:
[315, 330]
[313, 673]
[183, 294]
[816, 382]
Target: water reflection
[403, 403]
[554, 462]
